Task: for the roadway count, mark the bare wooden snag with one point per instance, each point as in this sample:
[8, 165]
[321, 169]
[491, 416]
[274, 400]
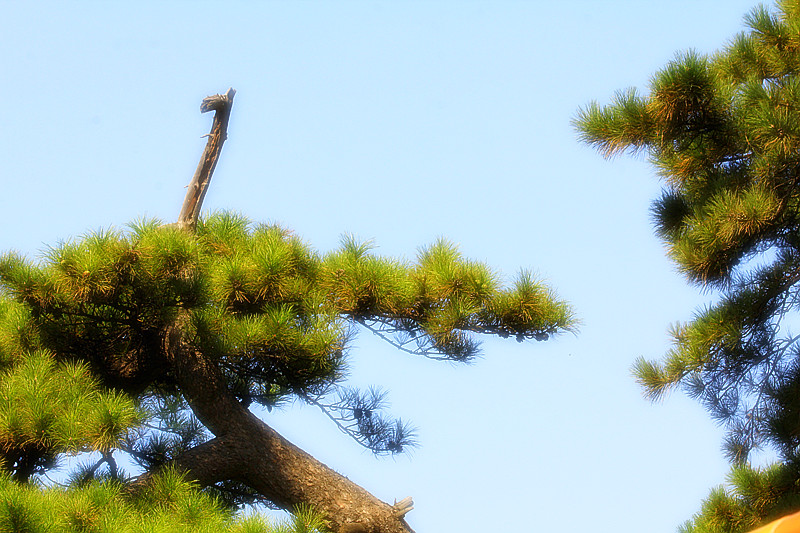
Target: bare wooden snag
[221, 105]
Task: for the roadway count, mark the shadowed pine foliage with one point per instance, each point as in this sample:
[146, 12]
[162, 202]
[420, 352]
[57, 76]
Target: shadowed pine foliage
[724, 133]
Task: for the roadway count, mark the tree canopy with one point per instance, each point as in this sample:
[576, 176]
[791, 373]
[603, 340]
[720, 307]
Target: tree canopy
[723, 131]
[153, 343]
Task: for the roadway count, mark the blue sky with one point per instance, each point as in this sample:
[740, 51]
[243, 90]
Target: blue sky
[400, 122]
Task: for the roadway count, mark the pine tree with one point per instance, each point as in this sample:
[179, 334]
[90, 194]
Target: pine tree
[152, 343]
[723, 132]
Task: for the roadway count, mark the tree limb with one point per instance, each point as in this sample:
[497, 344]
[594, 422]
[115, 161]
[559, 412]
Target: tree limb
[221, 105]
[255, 454]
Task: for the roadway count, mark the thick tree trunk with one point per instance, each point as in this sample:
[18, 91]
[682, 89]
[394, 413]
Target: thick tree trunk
[248, 450]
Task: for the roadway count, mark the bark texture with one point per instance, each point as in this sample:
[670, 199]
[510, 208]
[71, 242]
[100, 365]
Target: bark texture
[221, 104]
[246, 449]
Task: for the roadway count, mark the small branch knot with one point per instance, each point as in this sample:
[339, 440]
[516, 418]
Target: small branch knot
[402, 507]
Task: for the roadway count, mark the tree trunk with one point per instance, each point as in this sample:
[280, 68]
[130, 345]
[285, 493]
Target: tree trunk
[248, 450]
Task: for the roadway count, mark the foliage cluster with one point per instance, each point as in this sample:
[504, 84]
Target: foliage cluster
[82, 332]
[170, 504]
[723, 132]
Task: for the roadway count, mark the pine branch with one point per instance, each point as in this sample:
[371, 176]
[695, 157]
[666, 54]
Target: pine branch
[382, 329]
[359, 419]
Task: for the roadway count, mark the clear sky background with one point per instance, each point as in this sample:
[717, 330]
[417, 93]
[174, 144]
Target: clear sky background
[401, 122]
